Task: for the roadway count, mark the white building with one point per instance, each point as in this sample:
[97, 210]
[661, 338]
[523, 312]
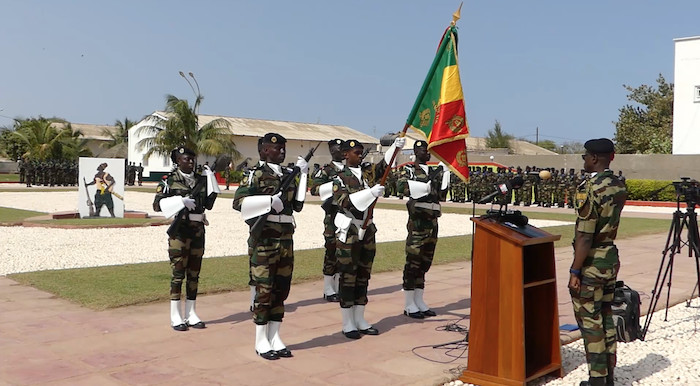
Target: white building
[300, 138]
[686, 96]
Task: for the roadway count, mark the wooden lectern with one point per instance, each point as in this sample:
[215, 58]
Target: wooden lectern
[514, 319]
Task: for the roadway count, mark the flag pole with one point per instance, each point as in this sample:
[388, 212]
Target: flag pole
[382, 181]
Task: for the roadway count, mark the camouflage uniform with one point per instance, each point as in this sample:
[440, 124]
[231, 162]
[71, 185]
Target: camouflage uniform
[330, 207]
[355, 255]
[422, 225]
[458, 189]
[272, 255]
[599, 202]
[186, 241]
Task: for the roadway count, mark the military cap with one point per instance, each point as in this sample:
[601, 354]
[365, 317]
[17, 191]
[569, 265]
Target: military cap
[351, 144]
[102, 166]
[599, 146]
[336, 141]
[273, 138]
[181, 150]
[420, 145]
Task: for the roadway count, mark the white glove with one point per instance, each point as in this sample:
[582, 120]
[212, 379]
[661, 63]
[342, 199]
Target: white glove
[277, 203]
[302, 164]
[189, 203]
[207, 170]
[377, 190]
[399, 142]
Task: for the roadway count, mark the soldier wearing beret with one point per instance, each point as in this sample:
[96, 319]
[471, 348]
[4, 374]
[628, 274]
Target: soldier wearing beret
[356, 245]
[272, 251]
[424, 187]
[185, 194]
[599, 201]
[322, 185]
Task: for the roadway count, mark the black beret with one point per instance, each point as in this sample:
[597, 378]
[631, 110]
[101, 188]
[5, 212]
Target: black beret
[351, 144]
[181, 150]
[420, 145]
[336, 141]
[599, 146]
[273, 138]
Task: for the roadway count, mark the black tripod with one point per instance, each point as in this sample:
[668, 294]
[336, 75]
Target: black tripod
[674, 242]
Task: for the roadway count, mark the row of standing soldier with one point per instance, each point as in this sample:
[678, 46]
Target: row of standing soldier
[557, 190]
[53, 172]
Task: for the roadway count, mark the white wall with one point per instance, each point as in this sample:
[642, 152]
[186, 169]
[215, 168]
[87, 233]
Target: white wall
[686, 103]
[155, 162]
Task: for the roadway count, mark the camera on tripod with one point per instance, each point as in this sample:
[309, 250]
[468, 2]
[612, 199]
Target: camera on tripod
[687, 188]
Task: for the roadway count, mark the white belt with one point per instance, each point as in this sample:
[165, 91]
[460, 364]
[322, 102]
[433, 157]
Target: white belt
[281, 218]
[196, 217]
[358, 223]
[428, 205]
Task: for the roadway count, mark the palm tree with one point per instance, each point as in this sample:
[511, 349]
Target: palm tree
[74, 146]
[42, 140]
[180, 127]
[118, 136]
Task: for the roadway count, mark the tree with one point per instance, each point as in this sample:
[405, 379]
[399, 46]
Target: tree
[73, 145]
[573, 148]
[647, 127]
[119, 136]
[11, 147]
[40, 138]
[496, 138]
[180, 127]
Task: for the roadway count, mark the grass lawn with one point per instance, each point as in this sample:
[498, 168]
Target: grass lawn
[115, 286]
[16, 215]
[10, 177]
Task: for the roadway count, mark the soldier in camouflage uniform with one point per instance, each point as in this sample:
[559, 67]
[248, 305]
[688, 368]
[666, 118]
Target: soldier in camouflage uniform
[424, 188]
[184, 193]
[322, 185]
[528, 185]
[599, 201]
[356, 246]
[272, 252]
[458, 189]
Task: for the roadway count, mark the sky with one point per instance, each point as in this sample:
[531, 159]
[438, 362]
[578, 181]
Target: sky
[546, 69]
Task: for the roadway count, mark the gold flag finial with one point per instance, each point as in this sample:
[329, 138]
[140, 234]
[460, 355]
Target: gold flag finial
[456, 15]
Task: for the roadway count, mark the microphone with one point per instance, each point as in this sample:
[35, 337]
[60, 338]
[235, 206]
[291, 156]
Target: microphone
[503, 189]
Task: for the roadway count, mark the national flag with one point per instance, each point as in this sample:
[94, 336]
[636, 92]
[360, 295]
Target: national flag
[438, 113]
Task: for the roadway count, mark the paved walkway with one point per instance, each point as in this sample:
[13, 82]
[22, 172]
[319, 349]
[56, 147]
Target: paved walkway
[50, 341]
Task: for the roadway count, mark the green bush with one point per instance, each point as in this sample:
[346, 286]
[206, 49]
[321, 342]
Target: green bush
[650, 190]
[236, 176]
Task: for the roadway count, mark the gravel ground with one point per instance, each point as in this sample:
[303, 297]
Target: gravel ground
[25, 249]
[668, 356]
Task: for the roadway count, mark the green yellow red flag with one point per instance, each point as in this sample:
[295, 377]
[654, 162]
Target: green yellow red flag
[438, 113]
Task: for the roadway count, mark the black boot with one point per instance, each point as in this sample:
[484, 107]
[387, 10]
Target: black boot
[593, 381]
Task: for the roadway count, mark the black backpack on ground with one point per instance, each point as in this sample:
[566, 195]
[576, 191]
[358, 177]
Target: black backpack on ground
[625, 309]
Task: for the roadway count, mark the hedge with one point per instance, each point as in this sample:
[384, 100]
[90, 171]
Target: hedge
[650, 190]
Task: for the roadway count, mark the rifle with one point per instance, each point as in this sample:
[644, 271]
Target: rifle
[258, 223]
[90, 204]
[201, 184]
